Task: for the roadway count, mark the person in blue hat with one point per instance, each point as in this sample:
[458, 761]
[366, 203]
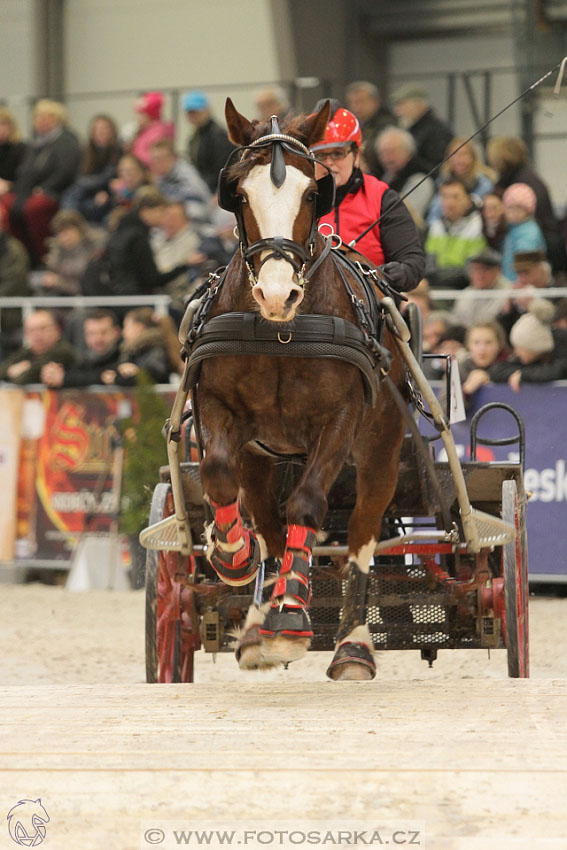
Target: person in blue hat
[208, 147]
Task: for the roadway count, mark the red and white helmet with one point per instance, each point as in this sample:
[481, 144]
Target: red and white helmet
[343, 129]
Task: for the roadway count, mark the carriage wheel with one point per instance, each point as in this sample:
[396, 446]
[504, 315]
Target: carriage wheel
[516, 591]
[172, 634]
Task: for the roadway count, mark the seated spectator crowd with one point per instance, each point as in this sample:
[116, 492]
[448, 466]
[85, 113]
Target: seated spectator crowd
[126, 214]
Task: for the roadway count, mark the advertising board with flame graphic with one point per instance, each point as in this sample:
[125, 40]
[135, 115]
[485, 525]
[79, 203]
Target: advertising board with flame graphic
[73, 464]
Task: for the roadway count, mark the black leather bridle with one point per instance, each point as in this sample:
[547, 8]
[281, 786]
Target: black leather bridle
[279, 248]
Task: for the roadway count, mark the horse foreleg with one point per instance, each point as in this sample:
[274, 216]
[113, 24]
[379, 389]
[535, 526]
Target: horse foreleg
[259, 497]
[377, 461]
[233, 550]
[287, 628]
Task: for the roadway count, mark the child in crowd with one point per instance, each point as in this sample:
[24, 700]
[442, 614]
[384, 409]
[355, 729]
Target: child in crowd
[485, 345]
[494, 224]
[534, 359]
[524, 233]
[73, 245]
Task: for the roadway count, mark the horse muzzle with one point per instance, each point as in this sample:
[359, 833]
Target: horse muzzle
[278, 303]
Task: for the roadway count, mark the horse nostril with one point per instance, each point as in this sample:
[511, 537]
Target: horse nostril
[293, 297]
[258, 294]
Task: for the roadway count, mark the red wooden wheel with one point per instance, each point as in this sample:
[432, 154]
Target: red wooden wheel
[172, 633]
[516, 591]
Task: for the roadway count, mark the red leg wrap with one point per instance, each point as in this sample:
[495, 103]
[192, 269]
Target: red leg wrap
[293, 581]
[238, 567]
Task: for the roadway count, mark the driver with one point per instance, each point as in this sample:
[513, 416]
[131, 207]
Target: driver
[393, 244]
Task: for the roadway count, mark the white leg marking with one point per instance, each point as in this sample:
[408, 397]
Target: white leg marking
[363, 557]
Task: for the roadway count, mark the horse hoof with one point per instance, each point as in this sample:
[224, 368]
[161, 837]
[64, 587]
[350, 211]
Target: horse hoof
[352, 662]
[348, 672]
[283, 650]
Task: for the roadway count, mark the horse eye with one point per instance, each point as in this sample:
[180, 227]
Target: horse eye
[311, 196]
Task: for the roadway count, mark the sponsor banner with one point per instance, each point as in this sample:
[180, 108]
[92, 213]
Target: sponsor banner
[11, 408]
[71, 459]
[543, 409]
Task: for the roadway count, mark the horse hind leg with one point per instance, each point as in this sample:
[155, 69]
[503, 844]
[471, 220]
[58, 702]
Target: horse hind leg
[353, 659]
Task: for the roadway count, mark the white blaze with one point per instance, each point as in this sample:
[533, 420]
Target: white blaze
[275, 211]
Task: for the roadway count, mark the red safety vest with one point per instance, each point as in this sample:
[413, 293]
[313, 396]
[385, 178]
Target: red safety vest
[355, 214]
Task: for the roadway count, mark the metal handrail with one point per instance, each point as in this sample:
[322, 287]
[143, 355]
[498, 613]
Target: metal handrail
[29, 303]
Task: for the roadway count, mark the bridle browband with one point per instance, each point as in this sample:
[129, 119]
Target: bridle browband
[279, 247]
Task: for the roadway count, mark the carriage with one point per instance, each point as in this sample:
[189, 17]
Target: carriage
[447, 566]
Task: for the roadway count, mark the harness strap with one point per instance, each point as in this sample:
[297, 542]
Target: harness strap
[309, 336]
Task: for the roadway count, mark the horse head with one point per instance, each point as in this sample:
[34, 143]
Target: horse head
[273, 191]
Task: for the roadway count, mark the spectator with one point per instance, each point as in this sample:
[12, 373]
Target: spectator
[43, 343]
[271, 100]
[178, 180]
[363, 99]
[455, 237]
[101, 155]
[72, 247]
[12, 149]
[402, 170]
[127, 265]
[149, 345]
[534, 359]
[208, 148]
[435, 324]
[533, 271]
[48, 168]
[486, 345]
[420, 296]
[14, 268]
[175, 243]
[132, 175]
[102, 333]
[432, 135]
[485, 273]
[560, 317]
[466, 164]
[494, 224]
[150, 127]
[523, 232]
[508, 155]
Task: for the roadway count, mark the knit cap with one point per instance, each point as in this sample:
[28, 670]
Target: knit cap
[532, 331]
[520, 195]
[150, 104]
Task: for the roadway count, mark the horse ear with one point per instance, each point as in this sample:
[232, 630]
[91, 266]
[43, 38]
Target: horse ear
[239, 128]
[313, 128]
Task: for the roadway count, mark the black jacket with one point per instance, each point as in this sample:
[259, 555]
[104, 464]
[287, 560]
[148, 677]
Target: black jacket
[149, 353]
[432, 137]
[208, 149]
[89, 369]
[127, 266]
[11, 156]
[51, 166]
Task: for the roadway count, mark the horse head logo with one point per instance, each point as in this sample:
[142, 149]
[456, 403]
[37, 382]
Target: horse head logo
[26, 823]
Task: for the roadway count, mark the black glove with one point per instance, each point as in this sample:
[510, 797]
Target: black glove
[395, 275]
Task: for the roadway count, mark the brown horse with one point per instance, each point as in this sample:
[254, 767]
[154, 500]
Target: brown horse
[313, 406]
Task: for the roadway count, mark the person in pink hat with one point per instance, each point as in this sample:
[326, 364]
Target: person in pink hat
[151, 128]
[524, 233]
